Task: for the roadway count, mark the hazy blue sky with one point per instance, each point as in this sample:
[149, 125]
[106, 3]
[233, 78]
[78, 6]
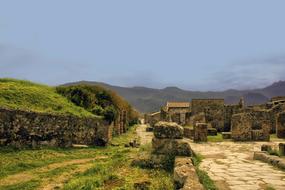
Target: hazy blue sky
[201, 45]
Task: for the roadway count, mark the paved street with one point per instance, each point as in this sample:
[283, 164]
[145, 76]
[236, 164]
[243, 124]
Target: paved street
[231, 166]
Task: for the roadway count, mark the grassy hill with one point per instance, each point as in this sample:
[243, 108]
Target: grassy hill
[25, 95]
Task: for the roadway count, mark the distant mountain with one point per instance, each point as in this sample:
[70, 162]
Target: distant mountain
[148, 99]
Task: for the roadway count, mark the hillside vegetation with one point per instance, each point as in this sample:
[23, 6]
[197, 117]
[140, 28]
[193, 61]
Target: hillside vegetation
[150, 100]
[28, 96]
[98, 101]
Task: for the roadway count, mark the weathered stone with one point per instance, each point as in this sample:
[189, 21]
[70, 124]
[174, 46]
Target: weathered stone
[178, 147]
[23, 128]
[200, 132]
[259, 135]
[198, 118]
[282, 149]
[226, 135]
[213, 110]
[266, 147]
[251, 125]
[152, 118]
[168, 130]
[262, 156]
[280, 129]
[281, 165]
[185, 176]
[212, 132]
[241, 127]
[188, 132]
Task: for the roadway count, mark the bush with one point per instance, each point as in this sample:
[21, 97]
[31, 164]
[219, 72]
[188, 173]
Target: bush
[110, 114]
[99, 101]
[98, 110]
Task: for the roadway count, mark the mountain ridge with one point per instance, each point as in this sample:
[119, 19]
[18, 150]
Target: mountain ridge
[146, 99]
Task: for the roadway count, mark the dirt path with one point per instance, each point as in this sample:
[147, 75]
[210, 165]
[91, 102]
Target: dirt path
[21, 177]
[231, 166]
[145, 137]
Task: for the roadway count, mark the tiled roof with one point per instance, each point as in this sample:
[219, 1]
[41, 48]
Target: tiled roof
[178, 104]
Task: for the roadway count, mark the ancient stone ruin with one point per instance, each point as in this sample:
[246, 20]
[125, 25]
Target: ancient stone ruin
[168, 140]
[241, 123]
[22, 128]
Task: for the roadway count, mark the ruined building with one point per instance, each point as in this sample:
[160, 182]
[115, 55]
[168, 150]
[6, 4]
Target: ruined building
[245, 123]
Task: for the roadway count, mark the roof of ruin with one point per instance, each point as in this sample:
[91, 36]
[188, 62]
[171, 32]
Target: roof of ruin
[178, 104]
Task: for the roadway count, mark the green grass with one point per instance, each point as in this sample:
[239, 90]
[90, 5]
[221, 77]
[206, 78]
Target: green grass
[32, 184]
[113, 172]
[269, 188]
[204, 179]
[218, 138]
[25, 95]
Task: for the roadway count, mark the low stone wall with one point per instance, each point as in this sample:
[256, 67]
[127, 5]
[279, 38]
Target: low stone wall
[22, 128]
[270, 159]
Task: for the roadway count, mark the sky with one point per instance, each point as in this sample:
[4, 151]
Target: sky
[194, 45]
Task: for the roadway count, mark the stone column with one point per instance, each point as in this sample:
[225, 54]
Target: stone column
[200, 132]
[280, 128]
[282, 149]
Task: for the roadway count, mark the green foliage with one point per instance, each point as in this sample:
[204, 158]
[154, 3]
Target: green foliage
[25, 95]
[97, 110]
[98, 100]
[32, 184]
[269, 188]
[110, 113]
[218, 138]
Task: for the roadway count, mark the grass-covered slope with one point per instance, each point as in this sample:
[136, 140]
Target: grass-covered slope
[25, 95]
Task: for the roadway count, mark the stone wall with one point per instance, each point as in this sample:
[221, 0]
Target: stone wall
[120, 124]
[280, 130]
[22, 128]
[213, 109]
[251, 125]
[230, 110]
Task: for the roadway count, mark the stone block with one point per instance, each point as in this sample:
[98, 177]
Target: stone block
[260, 135]
[200, 132]
[212, 132]
[185, 176]
[226, 135]
[266, 147]
[282, 149]
[280, 128]
[241, 127]
[169, 130]
[188, 132]
[177, 147]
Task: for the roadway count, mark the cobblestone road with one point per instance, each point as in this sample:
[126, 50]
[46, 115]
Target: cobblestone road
[231, 166]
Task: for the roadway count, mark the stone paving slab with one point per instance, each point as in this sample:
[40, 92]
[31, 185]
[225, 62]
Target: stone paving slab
[231, 166]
